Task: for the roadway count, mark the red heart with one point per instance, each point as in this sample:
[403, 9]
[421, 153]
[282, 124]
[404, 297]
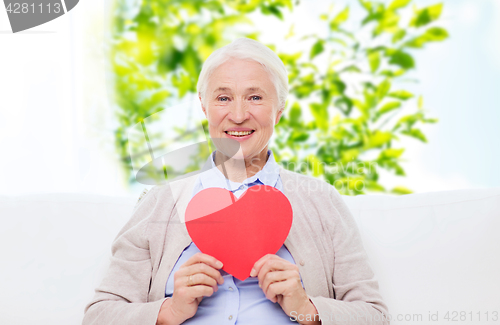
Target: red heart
[238, 232]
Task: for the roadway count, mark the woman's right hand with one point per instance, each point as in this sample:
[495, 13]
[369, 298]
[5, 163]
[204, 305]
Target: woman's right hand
[198, 277]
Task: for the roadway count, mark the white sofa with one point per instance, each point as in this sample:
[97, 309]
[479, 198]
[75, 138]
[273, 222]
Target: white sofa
[433, 253]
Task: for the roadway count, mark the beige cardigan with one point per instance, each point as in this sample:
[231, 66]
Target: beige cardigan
[324, 241]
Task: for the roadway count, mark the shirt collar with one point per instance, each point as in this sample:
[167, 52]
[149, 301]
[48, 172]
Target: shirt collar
[268, 175]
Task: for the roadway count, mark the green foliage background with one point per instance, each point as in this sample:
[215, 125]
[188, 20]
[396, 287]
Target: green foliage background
[327, 131]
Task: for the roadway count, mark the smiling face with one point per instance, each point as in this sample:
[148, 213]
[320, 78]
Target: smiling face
[241, 104]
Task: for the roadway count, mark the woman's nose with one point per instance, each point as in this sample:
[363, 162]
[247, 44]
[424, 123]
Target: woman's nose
[239, 112]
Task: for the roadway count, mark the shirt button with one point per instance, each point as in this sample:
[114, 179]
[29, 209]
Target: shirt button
[302, 262]
[230, 317]
[230, 288]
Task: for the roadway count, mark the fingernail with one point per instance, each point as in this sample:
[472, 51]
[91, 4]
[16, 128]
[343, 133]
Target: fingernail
[219, 264]
[253, 272]
[260, 286]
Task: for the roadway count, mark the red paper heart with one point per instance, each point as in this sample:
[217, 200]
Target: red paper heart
[238, 232]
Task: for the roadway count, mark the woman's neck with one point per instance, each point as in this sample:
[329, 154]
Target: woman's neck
[237, 170]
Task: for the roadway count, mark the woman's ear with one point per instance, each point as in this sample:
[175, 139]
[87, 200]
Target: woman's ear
[278, 116]
[202, 106]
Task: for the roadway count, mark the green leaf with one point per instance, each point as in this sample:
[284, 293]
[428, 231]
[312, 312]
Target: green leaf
[295, 113]
[392, 74]
[349, 155]
[397, 4]
[340, 18]
[391, 153]
[399, 35]
[410, 120]
[315, 165]
[402, 59]
[401, 94]
[345, 104]
[378, 138]
[374, 186]
[401, 190]
[433, 34]
[302, 90]
[437, 34]
[415, 133]
[320, 114]
[390, 164]
[388, 107]
[155, 99]
[383, 89]
[317, 49]
[430, 120]
[369, 103]
[374, 60]
[297, 136]
[183, 84]
[426, 15]
[366, 4]
[389, 22]
[290, 59]
[190, 61]
[272, 10]
[350, 68]
[376, 12]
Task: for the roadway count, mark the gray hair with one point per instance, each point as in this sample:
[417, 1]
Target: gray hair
[247, 49]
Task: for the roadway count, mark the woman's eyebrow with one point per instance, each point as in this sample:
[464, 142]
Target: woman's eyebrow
[249, 89]
[222, 89]
[255, 89]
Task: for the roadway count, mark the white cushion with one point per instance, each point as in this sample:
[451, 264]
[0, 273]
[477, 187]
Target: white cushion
[55, 249]
[434, 252]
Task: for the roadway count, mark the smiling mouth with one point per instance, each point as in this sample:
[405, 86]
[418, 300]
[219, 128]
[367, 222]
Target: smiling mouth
[239, 133]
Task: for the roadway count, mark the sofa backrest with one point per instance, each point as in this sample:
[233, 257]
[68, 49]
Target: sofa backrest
[432, 252]
[436, 254]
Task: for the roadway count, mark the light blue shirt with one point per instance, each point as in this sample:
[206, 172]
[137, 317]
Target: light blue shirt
[236, 302]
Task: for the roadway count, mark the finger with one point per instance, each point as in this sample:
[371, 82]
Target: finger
[258, 265]
[201, 279]
[280, 276]
[205, 269]
[278, 288]
[203, 258]
[198, 291]
[275, 264]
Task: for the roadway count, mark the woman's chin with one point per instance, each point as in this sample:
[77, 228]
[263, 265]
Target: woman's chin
[240, 154]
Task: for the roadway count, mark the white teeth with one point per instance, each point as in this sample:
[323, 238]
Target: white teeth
[239, 133]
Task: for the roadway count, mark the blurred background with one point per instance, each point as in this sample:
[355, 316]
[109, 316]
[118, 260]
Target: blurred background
[385, 96]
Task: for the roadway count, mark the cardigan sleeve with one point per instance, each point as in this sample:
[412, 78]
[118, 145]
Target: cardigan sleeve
[357, 298]
[122, 296]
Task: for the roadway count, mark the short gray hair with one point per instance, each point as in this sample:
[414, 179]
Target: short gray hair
[247, 49]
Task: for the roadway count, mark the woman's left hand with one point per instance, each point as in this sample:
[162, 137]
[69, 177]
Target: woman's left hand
[280, 282]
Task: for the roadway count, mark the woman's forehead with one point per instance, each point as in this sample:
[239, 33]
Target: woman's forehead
[240, 75]
[247, 89]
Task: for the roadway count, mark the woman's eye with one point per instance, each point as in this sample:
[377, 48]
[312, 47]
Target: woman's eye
[256, 97]
[223, 99]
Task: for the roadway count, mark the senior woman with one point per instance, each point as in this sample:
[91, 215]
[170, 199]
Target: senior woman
[320, 275]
